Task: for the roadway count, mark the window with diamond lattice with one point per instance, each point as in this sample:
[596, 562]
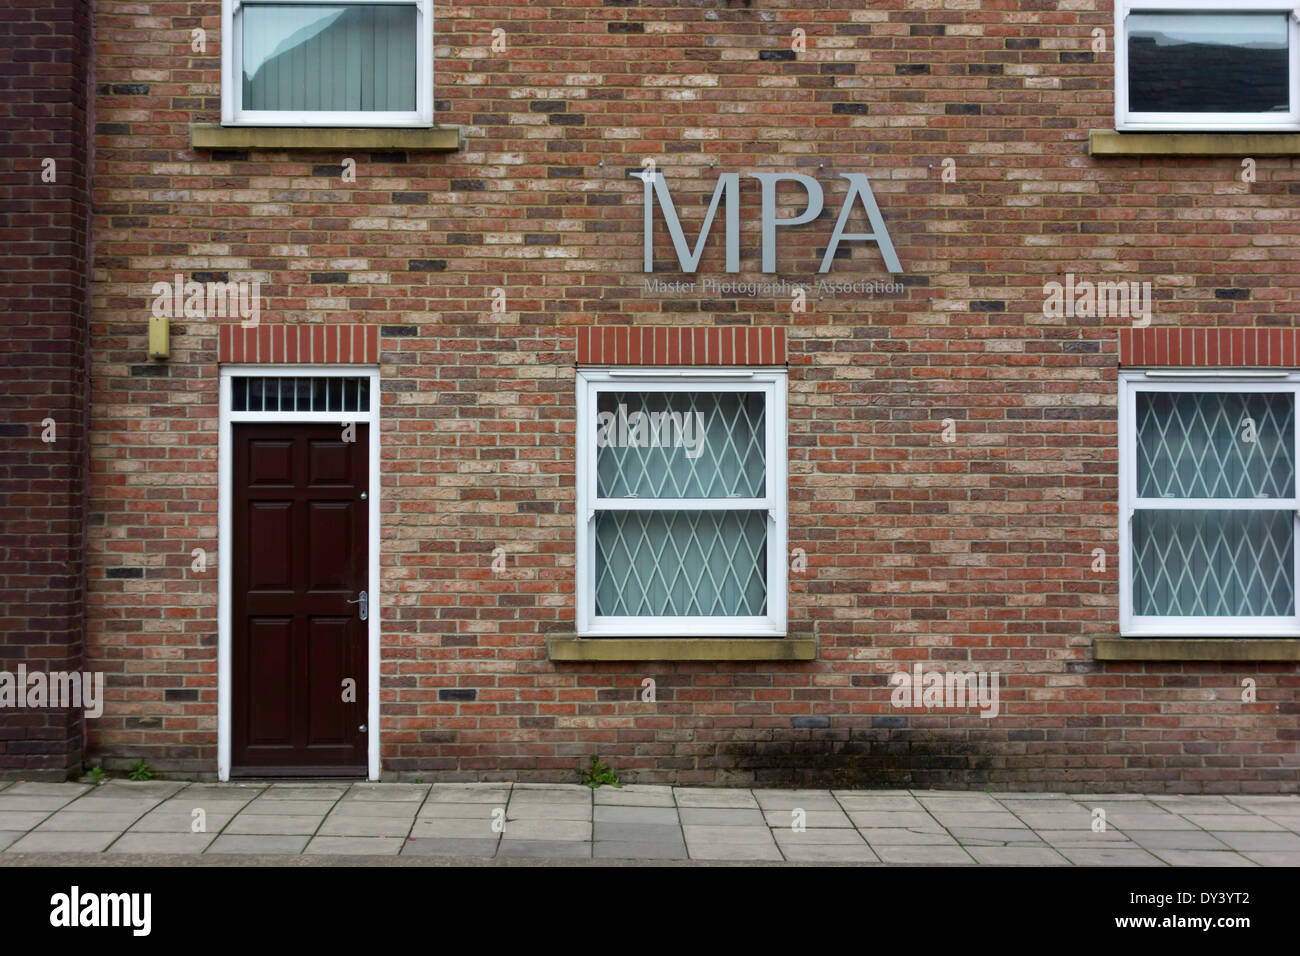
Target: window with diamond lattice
[1208, 506]
[681, 503]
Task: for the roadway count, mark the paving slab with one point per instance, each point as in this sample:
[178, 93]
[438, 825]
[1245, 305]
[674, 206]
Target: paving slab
[265, 843]
[136, 789]
[459, 811]
[338, 825]
[1087, 839]
[638, 833]
[281, 824]
[619, 850]
[305, 791]
[63, 841]
[9, 836]
[375, 808]
[170, 843]
[450, 847]
[1052, 805]
[828, 853]
[548, 811]
[661, 815]
[28, 804]
[1016, 855]
[1282, 842]
[706, 850]
[759, 835]
[85, 821]
[943, 855]
[1110, 856]
[167, 821]
[22, 820]
[1177, 840]
[824, 837]
[265, 806]
[856, 802]
[723, 817]
[995, 836]
[892, 818]
[546, 830]
[635, 795]
[907, 836]
[981, 820]
[811, 818]
[1203, 858]
[35, 788]
[788, 800]
[388, 792]
[1148, 821]
[493, 793]
[705, 797]
[354, 845]
[1270, 858]
[557, 849]
[454, 828]
[1080, 820]
[1232, 821]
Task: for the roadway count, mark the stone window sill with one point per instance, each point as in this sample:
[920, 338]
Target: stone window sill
[1109, 142]
[569, 647]
[438, 139]
[1195, 649]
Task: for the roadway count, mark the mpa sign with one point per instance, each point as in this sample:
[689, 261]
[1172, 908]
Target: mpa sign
[727, 194]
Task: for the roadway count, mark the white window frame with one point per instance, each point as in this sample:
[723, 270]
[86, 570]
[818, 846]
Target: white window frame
[232, 87]
[1130, 385]
[1209, 122]
[227, 417]
[769, 382]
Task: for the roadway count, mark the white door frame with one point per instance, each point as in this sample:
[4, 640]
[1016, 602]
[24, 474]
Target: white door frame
[225, 542]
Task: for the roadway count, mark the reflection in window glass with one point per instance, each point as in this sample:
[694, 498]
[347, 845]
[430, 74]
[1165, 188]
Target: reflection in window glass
[1208, 63]
[342, 58]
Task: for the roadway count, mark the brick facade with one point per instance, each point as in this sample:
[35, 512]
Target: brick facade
[45, 54]
[970, 554]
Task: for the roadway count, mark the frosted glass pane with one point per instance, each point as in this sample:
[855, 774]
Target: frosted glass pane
[1213, 563]
[680, 444]
[675, 564]
[1215, 445]
[329, 57]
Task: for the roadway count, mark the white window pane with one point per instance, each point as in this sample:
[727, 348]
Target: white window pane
[1208, 63]
[329, 57]
[1213, 564]
[681, 444]
[1215, 445]
[681, 563]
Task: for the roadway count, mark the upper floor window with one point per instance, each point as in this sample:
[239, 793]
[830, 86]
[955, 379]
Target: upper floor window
[1207, 65]
[1208, 505]
[327, 63]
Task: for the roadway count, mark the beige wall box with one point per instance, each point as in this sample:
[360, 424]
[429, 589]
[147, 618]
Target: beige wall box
[159, 337]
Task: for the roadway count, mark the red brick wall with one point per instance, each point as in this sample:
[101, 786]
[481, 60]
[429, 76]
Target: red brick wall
[974, 554]
[45, 54]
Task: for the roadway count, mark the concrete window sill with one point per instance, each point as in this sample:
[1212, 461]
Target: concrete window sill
[1195, 649]
[439, 139]
[1109, 142]
[568, 647]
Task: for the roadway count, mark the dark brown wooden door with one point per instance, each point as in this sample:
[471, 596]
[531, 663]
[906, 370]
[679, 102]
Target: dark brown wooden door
[300, 554]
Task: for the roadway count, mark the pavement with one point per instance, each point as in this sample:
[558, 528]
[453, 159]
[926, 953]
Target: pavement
[176, 822]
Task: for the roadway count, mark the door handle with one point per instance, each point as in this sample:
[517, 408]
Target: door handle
[364, 601]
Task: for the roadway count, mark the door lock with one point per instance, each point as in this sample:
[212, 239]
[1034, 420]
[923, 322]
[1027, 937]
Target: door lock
[364, 601]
